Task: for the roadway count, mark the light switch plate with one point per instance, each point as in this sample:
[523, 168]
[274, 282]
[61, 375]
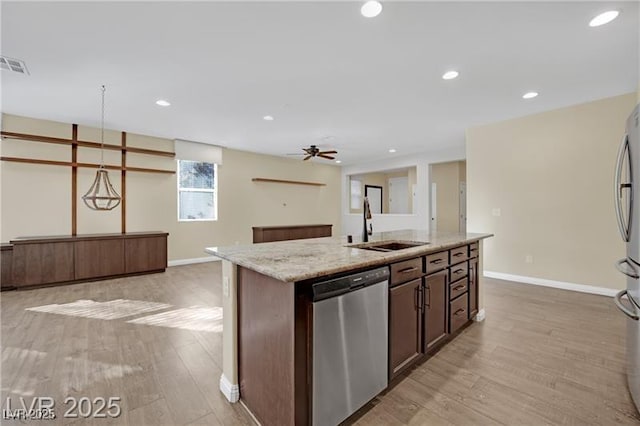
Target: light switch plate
[496, 212]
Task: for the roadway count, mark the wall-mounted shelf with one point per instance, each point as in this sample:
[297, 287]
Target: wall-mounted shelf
[74, 143]
[291, 182]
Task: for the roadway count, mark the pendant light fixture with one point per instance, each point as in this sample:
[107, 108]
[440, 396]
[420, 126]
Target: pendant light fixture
[101, 195]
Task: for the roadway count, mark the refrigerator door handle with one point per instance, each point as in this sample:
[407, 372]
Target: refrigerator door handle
[618, 301]
[625, 228]
[632, 273]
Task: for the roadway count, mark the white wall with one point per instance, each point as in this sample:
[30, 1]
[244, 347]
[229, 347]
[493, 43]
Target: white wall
[352, 223]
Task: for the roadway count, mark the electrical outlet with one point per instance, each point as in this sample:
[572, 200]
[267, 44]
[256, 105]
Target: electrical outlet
[496, 212]
[225, 286]
[528, 259]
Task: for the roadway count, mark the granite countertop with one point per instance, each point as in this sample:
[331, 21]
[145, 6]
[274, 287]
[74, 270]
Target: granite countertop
[297, 260]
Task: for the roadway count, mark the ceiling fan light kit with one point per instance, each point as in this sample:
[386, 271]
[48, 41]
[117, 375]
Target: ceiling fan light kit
[101, 195]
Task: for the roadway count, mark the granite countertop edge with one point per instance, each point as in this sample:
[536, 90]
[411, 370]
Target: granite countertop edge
[301, 260]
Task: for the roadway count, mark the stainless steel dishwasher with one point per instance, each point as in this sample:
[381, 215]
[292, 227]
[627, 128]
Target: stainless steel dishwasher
[350, 334]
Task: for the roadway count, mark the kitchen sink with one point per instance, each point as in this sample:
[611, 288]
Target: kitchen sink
[386, 246]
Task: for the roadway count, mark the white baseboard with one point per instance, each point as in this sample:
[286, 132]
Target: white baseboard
[182, 262]
[230, 391]
[602, 291]
[480, 316]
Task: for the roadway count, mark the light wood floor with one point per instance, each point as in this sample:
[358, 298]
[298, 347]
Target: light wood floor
[542, 356]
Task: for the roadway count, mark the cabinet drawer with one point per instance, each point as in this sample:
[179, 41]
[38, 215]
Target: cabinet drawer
[459, 254]
[458, 315]
[457, 288]
[406, 271]
[458, 271]
[473, 250]
[437, 261]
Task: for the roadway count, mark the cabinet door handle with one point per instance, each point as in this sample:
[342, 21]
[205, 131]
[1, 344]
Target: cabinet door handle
[459, 311]
[460, 287]
[458, 254]
[407, 270]
[437, 261]
[458, 271]
[418, 298]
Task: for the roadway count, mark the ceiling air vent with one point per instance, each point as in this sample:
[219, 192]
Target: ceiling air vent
[12, 64]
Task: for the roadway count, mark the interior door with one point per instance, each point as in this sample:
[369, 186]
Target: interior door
[399, 195]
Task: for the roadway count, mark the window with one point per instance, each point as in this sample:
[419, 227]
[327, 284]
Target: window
[356, 194]
[197, 191]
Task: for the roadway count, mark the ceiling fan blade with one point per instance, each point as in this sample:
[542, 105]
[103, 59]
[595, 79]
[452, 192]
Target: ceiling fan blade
[327, 152]
[307, 157]
[328, 157]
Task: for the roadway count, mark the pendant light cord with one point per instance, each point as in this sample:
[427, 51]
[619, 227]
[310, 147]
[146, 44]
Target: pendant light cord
[102, 132]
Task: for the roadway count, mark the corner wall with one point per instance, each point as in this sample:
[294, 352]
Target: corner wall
[551, 177]
[36, 199]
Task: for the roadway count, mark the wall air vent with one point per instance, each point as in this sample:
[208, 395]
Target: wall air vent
[11, 64]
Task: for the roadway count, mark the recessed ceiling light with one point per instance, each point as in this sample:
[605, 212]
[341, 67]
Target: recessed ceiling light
[338, 161]
[529, 95]
[268, 118]
[371, 9]
[392, 150]
[162, 102]
[604, 18]
[450, 75]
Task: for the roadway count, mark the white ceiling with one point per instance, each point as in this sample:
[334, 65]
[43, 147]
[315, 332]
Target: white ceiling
[320, 68]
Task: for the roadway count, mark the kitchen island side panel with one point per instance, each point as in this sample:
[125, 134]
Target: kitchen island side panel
[266, 347]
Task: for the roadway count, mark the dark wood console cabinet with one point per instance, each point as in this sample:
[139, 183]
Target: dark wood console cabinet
[265, 234]
[40, 261]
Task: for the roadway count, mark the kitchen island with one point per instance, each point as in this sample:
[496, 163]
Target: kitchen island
[432, 290]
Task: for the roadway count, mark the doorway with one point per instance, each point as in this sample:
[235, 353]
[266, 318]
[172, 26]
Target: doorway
[448, 209]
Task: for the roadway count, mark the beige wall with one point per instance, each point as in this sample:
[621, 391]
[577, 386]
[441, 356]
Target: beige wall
[447, 177]
[36, 199]
[550, 174]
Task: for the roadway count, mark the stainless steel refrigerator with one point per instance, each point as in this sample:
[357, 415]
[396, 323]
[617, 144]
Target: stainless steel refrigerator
[627, 202]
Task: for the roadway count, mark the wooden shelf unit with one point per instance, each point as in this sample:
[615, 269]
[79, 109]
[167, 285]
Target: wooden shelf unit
[74, 143]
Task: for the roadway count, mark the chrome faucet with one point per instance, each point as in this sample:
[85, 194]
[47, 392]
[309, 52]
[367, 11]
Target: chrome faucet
[366, 210]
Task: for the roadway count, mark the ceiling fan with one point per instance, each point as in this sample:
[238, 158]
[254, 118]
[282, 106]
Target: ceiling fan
[314, 151]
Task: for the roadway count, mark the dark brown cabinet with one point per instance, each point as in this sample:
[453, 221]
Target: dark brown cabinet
[37, 261]
[430, 298]
[42, 262]
[405, 325]
[473, 287]
[98, 258]
[145, 254]
[436, 303]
